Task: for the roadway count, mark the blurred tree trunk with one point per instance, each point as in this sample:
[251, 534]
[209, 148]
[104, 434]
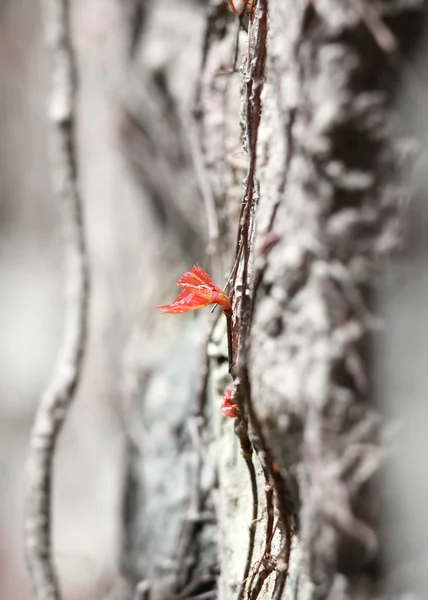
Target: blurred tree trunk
[308, 125]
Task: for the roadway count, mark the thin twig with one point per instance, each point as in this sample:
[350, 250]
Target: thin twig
[270, 531]
[241, 430]
[59, 393]
[229, 329]
[307, 18]
[279, 484]
[256, 62]
[256, 71]
[263, 575]
[266, 558]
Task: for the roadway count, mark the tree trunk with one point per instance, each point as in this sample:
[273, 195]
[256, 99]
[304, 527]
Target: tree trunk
[298, 151]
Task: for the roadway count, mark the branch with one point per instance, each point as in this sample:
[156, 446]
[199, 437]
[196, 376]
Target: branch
[59, 393]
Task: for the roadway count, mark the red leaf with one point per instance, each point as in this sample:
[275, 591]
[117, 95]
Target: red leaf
[228, 406]
[199, 291]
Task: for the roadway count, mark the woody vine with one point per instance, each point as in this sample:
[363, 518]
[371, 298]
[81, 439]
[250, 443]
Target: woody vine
[199, 290]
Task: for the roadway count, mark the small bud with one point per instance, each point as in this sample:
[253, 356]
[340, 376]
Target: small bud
[228, 406]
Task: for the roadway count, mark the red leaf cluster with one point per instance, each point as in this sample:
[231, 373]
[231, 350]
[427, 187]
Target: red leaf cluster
[198, 291]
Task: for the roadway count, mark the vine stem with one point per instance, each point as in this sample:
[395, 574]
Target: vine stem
[229, 327]
[241, 430]
[59, 393]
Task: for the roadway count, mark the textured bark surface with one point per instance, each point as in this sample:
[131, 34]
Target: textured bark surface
[318, 213]
[334, 205]
[329, 196]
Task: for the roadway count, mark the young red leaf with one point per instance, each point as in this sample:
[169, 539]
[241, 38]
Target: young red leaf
[198, 291]
[228, 406]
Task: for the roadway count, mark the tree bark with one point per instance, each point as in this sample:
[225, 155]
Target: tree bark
[305, 237]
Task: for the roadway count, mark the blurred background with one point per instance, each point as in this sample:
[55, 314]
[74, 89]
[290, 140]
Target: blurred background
[136, 72]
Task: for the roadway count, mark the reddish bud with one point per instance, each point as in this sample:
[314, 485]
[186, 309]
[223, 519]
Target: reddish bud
[228, 406]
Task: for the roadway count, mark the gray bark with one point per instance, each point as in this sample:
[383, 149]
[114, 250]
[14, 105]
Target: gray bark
[317, 218]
